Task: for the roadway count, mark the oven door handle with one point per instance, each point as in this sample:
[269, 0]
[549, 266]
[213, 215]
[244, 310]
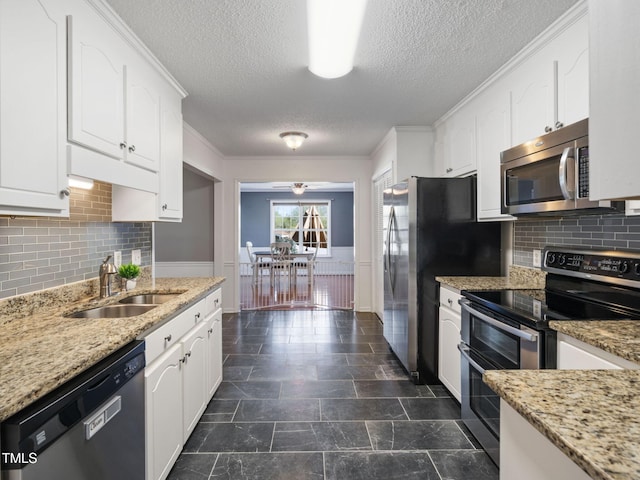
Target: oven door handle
[529, 336]
[464, 350]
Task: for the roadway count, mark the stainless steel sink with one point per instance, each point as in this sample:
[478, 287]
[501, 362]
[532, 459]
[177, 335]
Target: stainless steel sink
[113, 311]
[149, 298]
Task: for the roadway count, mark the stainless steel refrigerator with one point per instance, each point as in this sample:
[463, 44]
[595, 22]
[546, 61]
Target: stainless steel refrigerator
[430, 229]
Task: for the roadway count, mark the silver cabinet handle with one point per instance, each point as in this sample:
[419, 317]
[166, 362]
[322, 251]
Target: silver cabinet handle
[210, 331]
[65, 192]
[197, 316]
[188, 354]
[132, 148]
[164, 206]
[449, 301]
[464, 350]
[559, 124]
[167, 338]
[530, 337]
[449, 170]
[183, 359]
[548, 129]
[123, 145]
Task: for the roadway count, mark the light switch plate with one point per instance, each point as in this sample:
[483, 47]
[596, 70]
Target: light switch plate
[117, 259]
[136, 257]
[537, 260]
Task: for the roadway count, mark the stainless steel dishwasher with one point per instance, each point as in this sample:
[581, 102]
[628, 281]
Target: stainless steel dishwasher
[90, 428]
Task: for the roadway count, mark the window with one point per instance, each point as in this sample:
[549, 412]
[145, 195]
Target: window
[306, 225]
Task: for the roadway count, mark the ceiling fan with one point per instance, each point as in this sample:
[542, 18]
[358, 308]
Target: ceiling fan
[297, 187]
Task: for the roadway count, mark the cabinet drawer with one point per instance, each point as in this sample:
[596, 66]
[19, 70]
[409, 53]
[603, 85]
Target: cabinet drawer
[170, 333]
[214, 301]
[449, 299]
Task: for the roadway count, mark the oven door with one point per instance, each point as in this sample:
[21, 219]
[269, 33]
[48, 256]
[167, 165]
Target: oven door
[480, 406]
[502, 341]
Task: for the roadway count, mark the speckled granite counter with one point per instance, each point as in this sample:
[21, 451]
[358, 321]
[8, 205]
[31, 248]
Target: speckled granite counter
[40, 348]
[592, 416]
[519, 278]
[619, 337]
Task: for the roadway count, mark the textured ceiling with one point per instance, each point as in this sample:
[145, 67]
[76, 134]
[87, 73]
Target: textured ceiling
[244, 64]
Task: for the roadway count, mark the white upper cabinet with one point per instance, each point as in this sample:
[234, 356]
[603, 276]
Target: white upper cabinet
[142, 121]
[33, 175]
[459, 144]
[116, 96]
[614, 99]
[571, 50]
[171, 153]
[96, 86]
[550, 89]
[493, 136]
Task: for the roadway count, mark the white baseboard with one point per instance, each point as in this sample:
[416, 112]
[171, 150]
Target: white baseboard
[184, 269]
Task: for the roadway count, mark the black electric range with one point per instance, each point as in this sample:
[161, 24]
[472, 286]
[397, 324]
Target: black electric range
[580, 284]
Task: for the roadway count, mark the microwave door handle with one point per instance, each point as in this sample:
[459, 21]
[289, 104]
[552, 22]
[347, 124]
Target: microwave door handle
[464, 350]
[562, 171]
[530, 337]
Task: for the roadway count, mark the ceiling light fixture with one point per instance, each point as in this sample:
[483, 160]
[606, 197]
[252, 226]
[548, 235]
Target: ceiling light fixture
[333, 29]
[293, 140]
[298, 188]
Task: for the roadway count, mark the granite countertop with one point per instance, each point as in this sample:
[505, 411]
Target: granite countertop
[592, 416]
[519, 278]
[40, 348]
[619, 337]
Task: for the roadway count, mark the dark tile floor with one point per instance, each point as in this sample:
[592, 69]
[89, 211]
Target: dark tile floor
[313, 394]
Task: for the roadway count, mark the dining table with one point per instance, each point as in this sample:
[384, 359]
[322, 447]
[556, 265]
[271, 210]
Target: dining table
[264, 254]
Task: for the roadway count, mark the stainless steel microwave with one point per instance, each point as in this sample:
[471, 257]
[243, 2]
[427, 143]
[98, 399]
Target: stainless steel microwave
[550, 175]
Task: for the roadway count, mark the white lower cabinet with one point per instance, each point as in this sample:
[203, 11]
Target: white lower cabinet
[448, 341]
[574, 354]
[214, 350]
[178, 380]
[523, 448]
[163, 401]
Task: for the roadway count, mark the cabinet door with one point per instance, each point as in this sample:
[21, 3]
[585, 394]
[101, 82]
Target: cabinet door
[96, 86]
[170, 197]
[143, 121]
[614, 102]
[214, 350]
[32, 108]
[460, 144]
[532, 99]
[574, 354]
[494, 136]
[572, 56]
[448, 353]
[164, 404]
[194, 346]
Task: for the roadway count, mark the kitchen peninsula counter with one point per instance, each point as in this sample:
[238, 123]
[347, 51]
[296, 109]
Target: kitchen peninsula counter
[592, 416]
[519, 278]
[41, 348]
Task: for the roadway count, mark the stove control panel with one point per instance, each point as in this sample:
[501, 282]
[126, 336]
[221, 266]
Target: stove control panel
[615, 266]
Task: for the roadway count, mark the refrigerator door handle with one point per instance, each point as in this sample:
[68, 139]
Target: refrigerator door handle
[390, 225]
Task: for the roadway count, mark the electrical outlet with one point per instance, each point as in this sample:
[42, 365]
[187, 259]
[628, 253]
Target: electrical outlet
[537, 261]
[136, 257]
[117, 258]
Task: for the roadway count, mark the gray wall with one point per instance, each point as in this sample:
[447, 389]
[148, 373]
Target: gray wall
[255, 215]
[602, 231]
[192, 239]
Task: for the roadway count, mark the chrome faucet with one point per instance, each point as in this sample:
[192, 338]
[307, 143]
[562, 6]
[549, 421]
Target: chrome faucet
[106, 271]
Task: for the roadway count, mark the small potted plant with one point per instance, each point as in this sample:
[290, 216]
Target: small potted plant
[129, 272]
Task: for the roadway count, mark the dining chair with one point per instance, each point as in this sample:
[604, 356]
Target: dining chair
[280, 260]
[308, 264]
[257, 264]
